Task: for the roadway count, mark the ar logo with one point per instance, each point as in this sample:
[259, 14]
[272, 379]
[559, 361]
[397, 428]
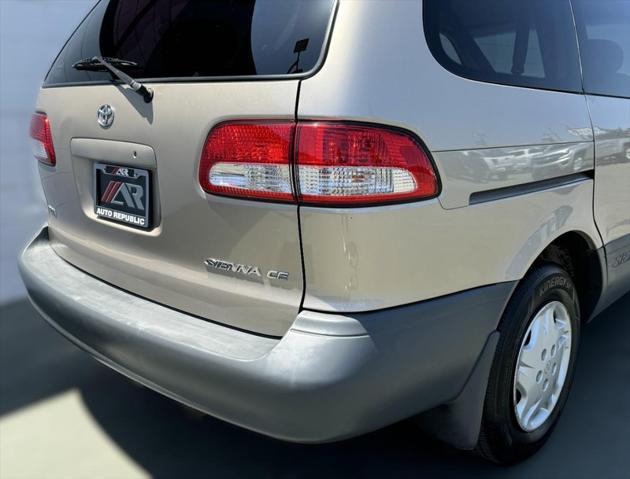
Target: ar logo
[123, 194]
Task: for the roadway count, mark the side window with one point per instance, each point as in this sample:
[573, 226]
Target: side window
[528, 43]
[604, 34]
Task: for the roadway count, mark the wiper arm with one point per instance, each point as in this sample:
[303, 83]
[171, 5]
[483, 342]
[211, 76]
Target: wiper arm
[101, 64]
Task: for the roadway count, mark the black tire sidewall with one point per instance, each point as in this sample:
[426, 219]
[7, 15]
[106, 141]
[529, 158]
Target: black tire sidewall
[546, 284]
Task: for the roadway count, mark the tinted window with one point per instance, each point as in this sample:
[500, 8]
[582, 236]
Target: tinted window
[199, 38]
[604, 33]
[515, 42]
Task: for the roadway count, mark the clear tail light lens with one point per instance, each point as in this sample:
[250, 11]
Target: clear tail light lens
[41, 139]
[358, 165]
[335, 163]
[249, 160]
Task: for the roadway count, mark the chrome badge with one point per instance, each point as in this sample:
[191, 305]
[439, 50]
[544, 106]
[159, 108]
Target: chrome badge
[105, 116]
[219, 265]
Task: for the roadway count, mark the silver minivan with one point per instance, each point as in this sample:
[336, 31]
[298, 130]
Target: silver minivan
[315, 218]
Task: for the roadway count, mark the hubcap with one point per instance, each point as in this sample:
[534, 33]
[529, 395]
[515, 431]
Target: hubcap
[542, 365]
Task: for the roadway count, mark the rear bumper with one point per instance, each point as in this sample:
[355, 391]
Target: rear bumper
[330, 377]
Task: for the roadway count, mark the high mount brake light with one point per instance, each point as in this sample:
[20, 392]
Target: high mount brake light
[41, 139]
[335, 163]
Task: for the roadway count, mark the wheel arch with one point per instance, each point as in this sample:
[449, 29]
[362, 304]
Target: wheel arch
[577, 253]
[458, 423]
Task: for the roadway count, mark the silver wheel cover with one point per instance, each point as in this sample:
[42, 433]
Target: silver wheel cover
[542, 365]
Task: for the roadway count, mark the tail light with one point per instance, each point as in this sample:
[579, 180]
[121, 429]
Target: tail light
[316, 163]
[357, 165]
[41, 138]
[249, 160]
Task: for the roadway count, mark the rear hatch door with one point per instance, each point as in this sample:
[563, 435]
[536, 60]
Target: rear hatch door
[207, 62]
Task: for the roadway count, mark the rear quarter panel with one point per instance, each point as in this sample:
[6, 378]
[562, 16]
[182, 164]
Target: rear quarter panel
[369, 258]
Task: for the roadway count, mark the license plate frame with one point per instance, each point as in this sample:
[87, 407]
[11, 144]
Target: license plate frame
[122, 194]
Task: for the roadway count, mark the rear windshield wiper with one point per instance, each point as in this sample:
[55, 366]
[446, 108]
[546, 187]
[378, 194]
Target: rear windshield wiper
[96, 64]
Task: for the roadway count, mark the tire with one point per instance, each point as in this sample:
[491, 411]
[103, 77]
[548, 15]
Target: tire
[503, 439]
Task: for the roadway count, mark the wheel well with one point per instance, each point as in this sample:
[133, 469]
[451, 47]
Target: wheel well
[576, 255]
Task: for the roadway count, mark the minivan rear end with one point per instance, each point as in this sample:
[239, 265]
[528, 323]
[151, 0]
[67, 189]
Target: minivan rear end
[315, 225]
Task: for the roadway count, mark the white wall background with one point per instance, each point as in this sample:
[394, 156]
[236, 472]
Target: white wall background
[31, 34]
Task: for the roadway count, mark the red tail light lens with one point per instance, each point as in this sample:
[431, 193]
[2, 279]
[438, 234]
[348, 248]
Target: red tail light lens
[359, 165]
[249, 160]
[335, 163]
[41, 138]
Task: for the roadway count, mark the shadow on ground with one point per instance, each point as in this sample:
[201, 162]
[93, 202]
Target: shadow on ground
[168, 440]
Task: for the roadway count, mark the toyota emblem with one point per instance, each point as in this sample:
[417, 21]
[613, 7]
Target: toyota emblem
[105, 116]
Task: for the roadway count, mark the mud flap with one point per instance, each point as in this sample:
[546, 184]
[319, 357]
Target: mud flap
[458, 422]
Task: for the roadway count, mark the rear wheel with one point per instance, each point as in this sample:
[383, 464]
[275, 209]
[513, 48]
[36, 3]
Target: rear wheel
[533, 366]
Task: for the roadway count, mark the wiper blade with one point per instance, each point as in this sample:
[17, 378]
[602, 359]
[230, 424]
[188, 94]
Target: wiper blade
[95, 65]
[107, 64]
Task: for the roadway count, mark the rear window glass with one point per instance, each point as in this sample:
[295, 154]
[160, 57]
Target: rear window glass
[198, 38]
[528, 43]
